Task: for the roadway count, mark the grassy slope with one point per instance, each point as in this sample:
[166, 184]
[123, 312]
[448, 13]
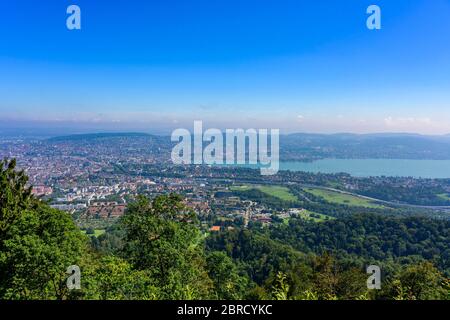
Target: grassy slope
[280, 192]
[340, 198]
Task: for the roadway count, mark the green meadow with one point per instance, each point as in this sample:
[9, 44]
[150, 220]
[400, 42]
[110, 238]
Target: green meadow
[341, 198]
[97, 232]
[280, 192]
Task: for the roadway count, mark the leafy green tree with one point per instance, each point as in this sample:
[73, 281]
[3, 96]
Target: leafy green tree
[163, 237]
[419, 282]
[228, 284]
[280, 290]
[37, 243]
[15, 196]
[113, 278]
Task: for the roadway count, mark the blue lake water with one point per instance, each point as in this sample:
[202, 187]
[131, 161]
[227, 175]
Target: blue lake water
[375, 167]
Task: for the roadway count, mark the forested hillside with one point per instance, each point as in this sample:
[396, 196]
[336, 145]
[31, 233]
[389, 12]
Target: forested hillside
[158, 250]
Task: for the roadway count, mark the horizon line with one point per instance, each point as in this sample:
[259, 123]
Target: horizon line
[160, 134]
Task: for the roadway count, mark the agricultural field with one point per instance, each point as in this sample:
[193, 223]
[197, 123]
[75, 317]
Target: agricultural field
[97, 232]
[444, 196]
[341, 198]
[313, 216]
[280, 192]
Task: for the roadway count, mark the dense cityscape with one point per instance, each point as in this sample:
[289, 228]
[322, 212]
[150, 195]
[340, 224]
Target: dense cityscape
[94, 177]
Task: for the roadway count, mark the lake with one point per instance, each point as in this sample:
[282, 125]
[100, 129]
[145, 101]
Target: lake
[375, 167]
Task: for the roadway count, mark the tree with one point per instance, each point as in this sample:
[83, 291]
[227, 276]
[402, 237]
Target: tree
[15, 196]
[280, 290]
[228, 284]
[40, 245]
[113, 278]
[419, 282]
[37, 243]
[162, 237]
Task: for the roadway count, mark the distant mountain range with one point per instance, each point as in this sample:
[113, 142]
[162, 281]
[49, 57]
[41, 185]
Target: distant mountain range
[308, 147]
[383, 145]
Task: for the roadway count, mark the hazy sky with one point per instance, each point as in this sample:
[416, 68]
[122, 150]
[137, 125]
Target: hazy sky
[303, 66]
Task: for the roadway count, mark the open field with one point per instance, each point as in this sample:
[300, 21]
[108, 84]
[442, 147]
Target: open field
[341, 198]
[444, 196]
[280, 192]
[97, 232]
[313, 216]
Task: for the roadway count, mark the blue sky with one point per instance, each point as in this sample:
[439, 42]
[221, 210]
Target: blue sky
[301, 66]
